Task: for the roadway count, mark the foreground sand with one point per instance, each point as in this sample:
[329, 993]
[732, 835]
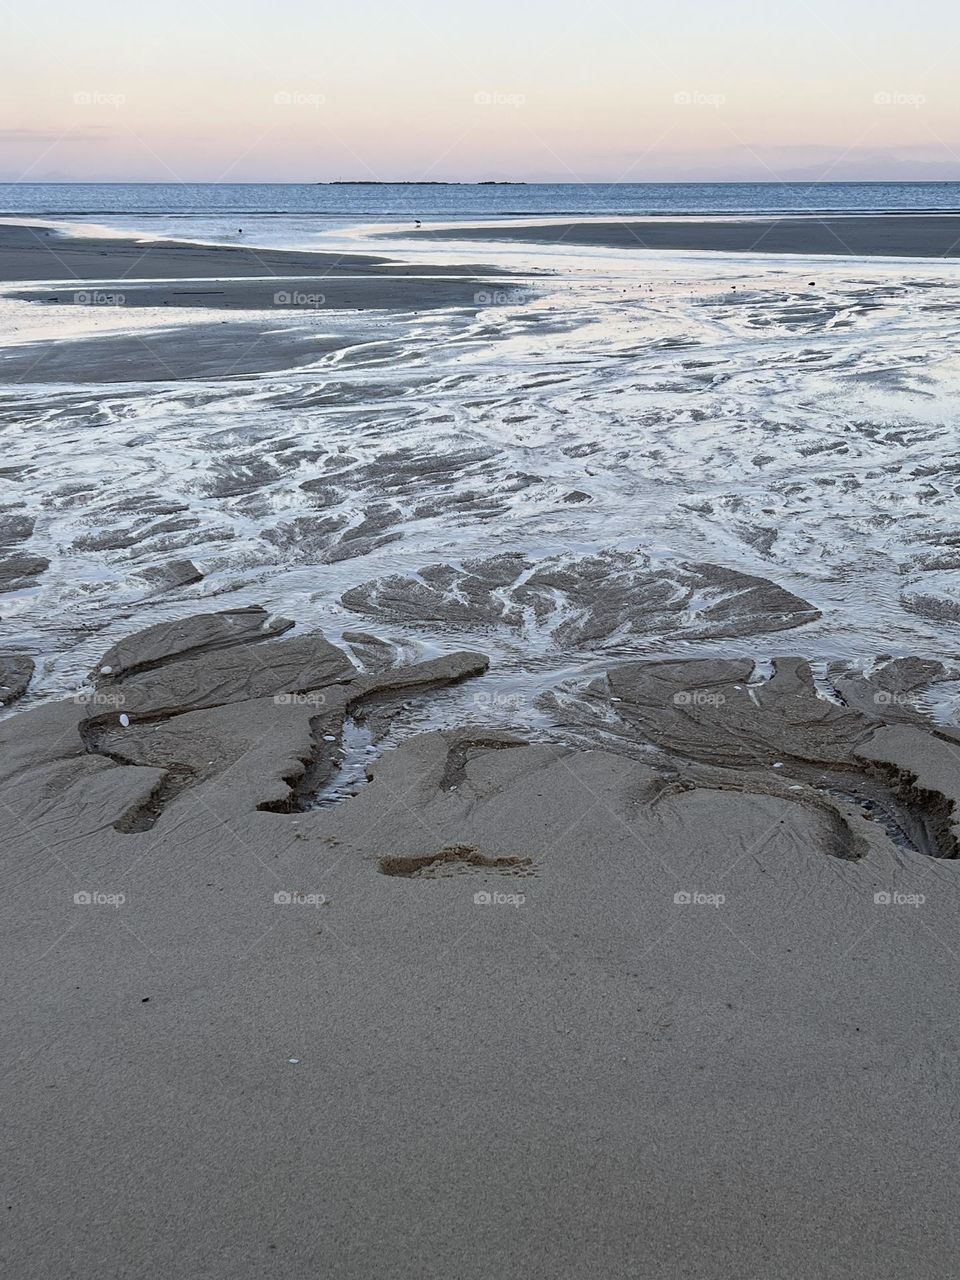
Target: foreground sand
[907, 236]
[516, 1010]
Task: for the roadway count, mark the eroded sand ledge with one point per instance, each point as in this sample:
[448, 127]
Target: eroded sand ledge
[689, 1040]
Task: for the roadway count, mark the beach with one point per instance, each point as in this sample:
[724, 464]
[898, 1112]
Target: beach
[478, 751]
[892, 236]
[100, 273]
[511, 996]
[38, 252]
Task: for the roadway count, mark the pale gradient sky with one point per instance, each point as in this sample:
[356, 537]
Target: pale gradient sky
[609, 91]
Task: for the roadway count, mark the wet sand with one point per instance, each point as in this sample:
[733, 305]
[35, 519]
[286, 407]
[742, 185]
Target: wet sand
[180, 353]
[233, 277]
[299, 292]
[514, 1009]
[907, 236]
[336, 291]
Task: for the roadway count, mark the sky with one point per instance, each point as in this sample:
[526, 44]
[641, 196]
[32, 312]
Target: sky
[534, 90]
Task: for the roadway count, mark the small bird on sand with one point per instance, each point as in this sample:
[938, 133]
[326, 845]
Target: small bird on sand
[417, 223]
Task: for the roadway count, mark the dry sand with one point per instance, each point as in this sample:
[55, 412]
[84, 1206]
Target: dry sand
[516, 1010]
[908, 236]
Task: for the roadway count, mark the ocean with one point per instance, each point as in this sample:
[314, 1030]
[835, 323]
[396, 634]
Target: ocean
[299, 214]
